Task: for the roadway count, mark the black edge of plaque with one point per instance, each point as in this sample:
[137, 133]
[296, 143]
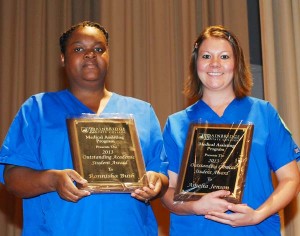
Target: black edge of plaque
[208, 166]
[111, 161]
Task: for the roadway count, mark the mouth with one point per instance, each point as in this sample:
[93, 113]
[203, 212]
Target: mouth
[90, 65]
[214, 73]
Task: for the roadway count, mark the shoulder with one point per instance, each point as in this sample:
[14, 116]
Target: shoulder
[186, 114]
[129, 104]
[33, 100]
[264, 105]
[131, 100]
[253, 100]
[40, 97]
[181, 119]
[39, 101]
[178, 115]
[263, 109]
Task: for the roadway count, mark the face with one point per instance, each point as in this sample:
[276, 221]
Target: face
[215, 65]
[86, 58]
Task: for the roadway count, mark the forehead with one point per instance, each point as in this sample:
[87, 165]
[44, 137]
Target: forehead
[213, 43]
[87, 33]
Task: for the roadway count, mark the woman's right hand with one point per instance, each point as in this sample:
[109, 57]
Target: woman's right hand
[213, 201]
[25, 182]
[64, 185]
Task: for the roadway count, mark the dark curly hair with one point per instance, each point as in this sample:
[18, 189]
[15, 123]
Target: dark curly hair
[242, 78]
[66, 35]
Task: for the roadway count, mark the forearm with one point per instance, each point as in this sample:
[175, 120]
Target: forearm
[180, 208]
[287, 188]
[164, 183]
[281, 197]
[25, 182]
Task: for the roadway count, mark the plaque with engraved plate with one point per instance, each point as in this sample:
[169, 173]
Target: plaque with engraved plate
[215, 157]
[106, 152]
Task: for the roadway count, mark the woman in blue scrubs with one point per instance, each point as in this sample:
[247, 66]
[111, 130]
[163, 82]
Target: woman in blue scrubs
[221, 81]
[36, 161]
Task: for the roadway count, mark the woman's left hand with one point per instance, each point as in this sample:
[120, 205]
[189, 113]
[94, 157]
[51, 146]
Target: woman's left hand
[152, 190]
[288, 177]
[240, 215]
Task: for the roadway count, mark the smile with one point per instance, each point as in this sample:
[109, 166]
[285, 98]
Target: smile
[214, 73]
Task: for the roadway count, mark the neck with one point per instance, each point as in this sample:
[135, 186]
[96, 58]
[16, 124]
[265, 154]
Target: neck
[95, 100]
[218, 102]
[103, 101]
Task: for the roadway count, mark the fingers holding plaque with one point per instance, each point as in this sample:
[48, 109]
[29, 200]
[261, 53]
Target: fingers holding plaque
[215, 158]
[106, 152]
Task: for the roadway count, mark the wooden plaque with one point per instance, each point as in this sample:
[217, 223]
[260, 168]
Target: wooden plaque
[215, 157]
[107, 153]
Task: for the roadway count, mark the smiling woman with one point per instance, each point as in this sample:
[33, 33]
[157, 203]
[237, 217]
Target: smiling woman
[221, 80]
[215, 65]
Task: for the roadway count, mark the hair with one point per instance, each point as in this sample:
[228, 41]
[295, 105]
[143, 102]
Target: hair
[242, 78]
[66, 35]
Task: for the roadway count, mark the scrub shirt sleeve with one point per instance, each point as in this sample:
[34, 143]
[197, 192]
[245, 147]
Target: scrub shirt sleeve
[1, 174]
[157, 161]
[20, 146]
[297, 151]
[281, 147]
[171, 148]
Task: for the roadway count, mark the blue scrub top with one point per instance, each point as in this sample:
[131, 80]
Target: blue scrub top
[38, 139]
[272, 147]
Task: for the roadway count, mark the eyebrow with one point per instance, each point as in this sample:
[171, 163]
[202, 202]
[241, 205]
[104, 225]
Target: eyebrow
[202, 51]
[97, 43]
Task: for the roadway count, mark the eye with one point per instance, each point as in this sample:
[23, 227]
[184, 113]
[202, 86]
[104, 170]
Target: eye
[78, 49]
[206, 56]
[224, 57]
[98, 49]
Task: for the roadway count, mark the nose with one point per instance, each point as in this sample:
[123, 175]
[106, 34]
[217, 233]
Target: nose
[90, 54]
[215, 62]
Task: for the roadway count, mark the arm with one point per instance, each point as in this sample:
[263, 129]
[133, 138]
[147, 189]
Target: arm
[286, 190]
[210, 201]
[26, 183]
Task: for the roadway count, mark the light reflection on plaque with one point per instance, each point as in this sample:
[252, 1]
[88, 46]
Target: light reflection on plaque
[107, 153]
[215, 158]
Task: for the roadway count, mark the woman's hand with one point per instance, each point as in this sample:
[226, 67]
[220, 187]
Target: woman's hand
[242, 215]
[156, 181]
[288, 177]
[25, 182]
[213, 201]
[63, 183]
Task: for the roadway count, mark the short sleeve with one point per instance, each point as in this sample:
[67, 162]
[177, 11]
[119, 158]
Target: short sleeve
[171, 148]
[281, 147]
[20, 146]
[158, 160]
